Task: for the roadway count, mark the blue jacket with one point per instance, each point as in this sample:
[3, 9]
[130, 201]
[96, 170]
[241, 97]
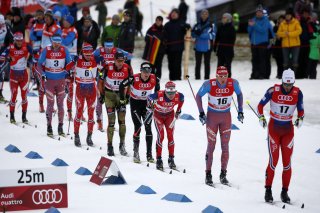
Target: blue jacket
[261, 31]
[204, 34]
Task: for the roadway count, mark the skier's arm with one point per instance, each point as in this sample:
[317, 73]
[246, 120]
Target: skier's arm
[41, 60]
[123, 85]
[157, 87]
[180, 103]
[300, 106]
[237, 90]
[126, 54]
[204, 89]
[266, 98]
[69, 63]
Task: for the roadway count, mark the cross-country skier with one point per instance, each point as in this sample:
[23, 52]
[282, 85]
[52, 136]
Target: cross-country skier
[141, 85]
[54, 63]
[86, 90]
[113, 74]
[162, 104]
[103, 56]
[17, 54]
[284, 99]
[219, 90]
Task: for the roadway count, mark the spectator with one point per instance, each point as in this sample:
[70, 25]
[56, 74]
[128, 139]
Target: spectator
[73, 10]
[300, 6]
[183, 9]
[289, 31]
[132, 8]
[17, 24]
[174, 32]
[102, 14]
[224, 43]
[276, 50]
[314, 55]
[111, 31]
[89, 33]
[156, 30]
[305, 36]
[79, 25]
[203, 32]
[57, 18]
[259, 28]
[126, 34]
[139, 24]
[61, 7]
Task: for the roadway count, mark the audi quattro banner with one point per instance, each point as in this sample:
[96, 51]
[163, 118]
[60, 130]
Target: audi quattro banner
[36, 188]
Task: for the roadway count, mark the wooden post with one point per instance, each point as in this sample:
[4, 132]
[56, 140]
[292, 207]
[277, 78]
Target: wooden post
[187, 43]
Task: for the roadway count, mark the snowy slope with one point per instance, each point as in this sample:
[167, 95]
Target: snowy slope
[247, 164]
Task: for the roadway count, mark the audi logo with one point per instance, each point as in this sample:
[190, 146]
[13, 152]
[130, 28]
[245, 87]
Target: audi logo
[18, 52]
[118, 74]
[55, 54]
[86, 63]
[225, 90]
[144, 85]
[285, 98]
[108, 56]
[46, 196]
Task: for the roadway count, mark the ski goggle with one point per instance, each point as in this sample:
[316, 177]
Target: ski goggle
[287, 84]
[171, 90]
[56, 39]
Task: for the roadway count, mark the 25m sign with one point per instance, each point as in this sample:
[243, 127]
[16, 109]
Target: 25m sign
[37, 188]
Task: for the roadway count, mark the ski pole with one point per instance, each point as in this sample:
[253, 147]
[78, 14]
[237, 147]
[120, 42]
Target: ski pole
[27, 93]
[248, 102]
[236, 107]
[172, 123]
[187, 76]
[142, 123]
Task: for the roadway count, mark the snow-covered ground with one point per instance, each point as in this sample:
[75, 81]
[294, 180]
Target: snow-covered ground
[246, 169]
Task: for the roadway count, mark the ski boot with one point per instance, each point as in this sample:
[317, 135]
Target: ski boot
[171, 163]
[69, 115]
[159, 163]
[24, 118]
[77, 142]
[2, 99]
[150, 159]
[223, 177]
[60, 130]
[209, 178]
[110, 150]
[89, 139]
[122, 149]
[268, 195]
[12, 119]
[100, 126]
[41, 108]
[49, 130]
[284, 196]
[136, 157]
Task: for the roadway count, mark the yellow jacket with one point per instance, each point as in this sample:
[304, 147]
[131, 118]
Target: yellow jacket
[294, 30]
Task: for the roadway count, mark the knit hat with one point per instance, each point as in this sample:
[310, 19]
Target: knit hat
[69, 19]
[170, 87]
[116, 17]
[18, 36]
[221, 70]
[289, 11]
[119, 56]
[228, 16]
[57, 14]
[48, 13]
[86, 9]
[288, 76]
[175, 10]
[145, 67]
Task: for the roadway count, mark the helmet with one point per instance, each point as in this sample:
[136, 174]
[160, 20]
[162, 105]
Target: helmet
[146, 67]
[87, 49]
[56, 38]
[222, 70]
[119, 56]
[170, 87]
[288, 76]
[18, 36]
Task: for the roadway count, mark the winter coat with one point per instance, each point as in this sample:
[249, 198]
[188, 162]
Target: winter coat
[204, 34]
[174, 31]
[111, 31]
[261, 31]
[315, 47]
[156, 31]
[307, 31]
[126, 36]
[294, 29]
[102, 13]
[93, 37]
[225, 39]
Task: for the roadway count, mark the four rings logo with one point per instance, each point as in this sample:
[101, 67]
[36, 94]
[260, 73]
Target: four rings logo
[285, 98]
[118, 74]
[46, 196]
[18, 52]
[55, 54]
[144, 85]
[225, 90]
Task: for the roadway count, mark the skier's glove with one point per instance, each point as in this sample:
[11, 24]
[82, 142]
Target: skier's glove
[44, 77]
[75, 58]
[298, 123]
[240, 117]
[123, 102]
[177, 115]
[101, 99]
[203, 118]
[263, 121]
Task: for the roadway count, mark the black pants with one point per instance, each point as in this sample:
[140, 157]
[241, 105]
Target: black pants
[174, 63]
[158, 65]
[207, 56]
[312, 69]
[259, 61]
[138, 115]
[279, 62]
[226, 62]
[301, 72]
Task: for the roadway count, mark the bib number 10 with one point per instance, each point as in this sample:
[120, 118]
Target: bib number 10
[222, 101]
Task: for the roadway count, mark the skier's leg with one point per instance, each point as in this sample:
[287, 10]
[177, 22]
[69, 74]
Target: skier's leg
[49, 88]
[60, 88]
[287, 142]
[91, 99]
[212, 129]
[23, 83]
[14, 91]
[159, 124]
[110, 102]
[79, 107]
[170, 132]
[225, 133]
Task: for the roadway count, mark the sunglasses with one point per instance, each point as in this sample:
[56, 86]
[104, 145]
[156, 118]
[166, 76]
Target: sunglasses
[222, 76]
[287, 85]
[171, 93]
[120, 60]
